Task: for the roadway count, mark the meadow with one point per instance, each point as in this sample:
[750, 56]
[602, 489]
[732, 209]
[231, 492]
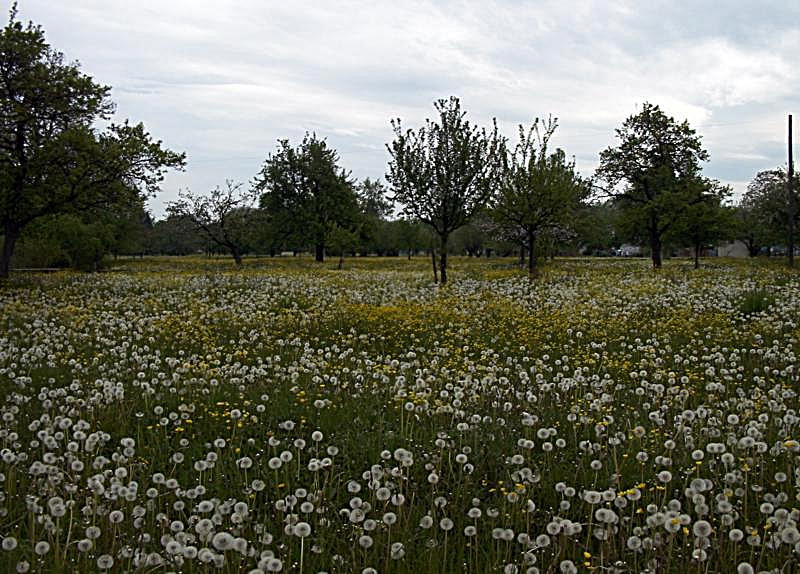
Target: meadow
[178, 415]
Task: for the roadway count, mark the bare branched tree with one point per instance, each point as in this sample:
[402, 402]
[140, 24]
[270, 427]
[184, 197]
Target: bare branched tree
[223, 215]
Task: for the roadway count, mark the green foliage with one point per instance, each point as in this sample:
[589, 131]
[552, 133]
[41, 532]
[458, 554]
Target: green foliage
[52, 158]
[751, 229]
[175, 235]
[372, 199]
[65, 241]
[84, 241]
[471, 239]
[374, 235]
[541, 191]
[444, 172]
[410, 236]
[706, 222]
[764, 213]
[306, 194]
[653, 173]
[597, 228]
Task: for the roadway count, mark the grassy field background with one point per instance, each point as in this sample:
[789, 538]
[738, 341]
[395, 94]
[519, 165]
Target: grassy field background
[183, 415]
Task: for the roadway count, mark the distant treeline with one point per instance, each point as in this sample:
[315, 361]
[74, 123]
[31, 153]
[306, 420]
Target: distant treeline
[74, 195]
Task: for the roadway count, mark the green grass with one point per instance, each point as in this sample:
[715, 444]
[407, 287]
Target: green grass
[756, 301]
[523, 400]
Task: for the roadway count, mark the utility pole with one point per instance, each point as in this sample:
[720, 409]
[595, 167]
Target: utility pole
[791, 197]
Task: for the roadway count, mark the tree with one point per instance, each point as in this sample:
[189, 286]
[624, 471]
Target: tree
[768, 209]
[84, 240]
[444, 172]
[341, 240]
[306, 194]
[224, 216]
[750, 228]
[596, 228]
[130, 224]
[52, 160]
[541, 191]
[372, 199]
[175, 235]
[375, 208]
[706, 222]
[471, 238]
[409, 236]
[653, 173]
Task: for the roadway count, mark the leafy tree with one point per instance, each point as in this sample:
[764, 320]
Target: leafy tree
[224, 216]
[67, 240]
[375, 208]
[707, 222]
[63, 240]
[306, 194]
[470, 238]
[444, 172]
[596, 226]
[175, 235]
[83, 240]
[751, 229]
[766, 210]
[129, 224]
[410, 237]
[341, 240]
[653, 173]
[541, 191]
[373, 200]
[52, 159]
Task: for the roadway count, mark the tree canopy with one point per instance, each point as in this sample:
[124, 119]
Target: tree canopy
[766, 211]
[53, 159]
[654, 173]
[540, 190]
[304, 191]
[445, 171]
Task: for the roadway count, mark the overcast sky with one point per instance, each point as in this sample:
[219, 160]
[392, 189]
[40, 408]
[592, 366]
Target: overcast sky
[224, 80]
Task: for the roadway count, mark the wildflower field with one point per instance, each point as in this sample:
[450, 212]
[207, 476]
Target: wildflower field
[177, 415]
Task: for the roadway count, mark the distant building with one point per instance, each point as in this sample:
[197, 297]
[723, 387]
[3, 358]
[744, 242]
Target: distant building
[732, 249]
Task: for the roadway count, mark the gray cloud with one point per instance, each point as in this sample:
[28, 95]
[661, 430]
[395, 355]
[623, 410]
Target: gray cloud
[224, 80]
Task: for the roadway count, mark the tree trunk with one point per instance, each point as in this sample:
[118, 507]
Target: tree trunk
[443, 260]
[532, 270]
[237, 256]
[341, 260]
[697, 256]
[11, 234]
[655, 248]
[433, 261]
[319, 252]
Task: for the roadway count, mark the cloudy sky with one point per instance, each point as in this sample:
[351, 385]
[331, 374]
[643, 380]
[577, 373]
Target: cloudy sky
[224, 80]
